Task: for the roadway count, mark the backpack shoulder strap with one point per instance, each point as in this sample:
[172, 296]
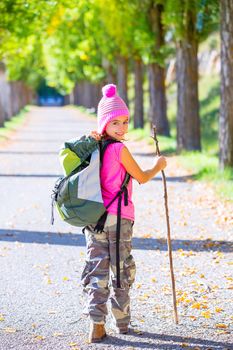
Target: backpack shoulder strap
[103, 146]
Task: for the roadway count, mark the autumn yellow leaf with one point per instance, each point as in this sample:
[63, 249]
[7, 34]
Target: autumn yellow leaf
[189, 271]
[153, 279]
[218, 309]
[223, 331]
[39, 337]
[137, 331]
[65, 278]
[221, 325]
[72, 344]
[9, 330]
[196, 306]
[57, 334]
[147, 235]
[229, 278]
[2, 317]
[193, 318]
[138, 285]
[188, 300]
[206, 314]
[199, 305]
[145, 295]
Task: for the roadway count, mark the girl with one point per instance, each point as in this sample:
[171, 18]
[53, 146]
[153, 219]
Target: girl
[99, 275]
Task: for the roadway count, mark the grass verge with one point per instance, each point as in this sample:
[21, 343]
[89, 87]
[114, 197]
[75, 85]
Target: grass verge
[203, 165]
[13, 124]
[206, 168]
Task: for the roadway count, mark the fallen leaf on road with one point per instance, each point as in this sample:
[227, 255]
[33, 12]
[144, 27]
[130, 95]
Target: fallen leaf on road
[218, 309]
[193, 318]
[39, 337]
[206, 314]
[229, 278]
[221, 325]
[9, 330]
[221, 331]
[196, 306]
[137, 331]
[147, 235]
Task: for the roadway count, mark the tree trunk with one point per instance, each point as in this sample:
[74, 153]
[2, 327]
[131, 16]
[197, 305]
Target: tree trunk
[226, 109]
[138, 100]
[158, 104]
[122, 75]
[1, 114]
[188, 120]
[87, 94]
[111, 77]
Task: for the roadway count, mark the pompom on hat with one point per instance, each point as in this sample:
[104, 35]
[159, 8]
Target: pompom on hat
[110, 107]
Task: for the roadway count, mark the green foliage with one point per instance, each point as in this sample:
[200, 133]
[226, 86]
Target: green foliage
[66, 41]
[199, 16]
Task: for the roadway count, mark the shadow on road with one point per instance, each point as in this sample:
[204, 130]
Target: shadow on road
[167, 342]
[11, 235]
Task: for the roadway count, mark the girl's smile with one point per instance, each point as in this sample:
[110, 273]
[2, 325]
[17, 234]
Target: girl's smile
[117, 128]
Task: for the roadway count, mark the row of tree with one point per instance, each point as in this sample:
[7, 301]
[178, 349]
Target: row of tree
[14, 95]
[81, 44]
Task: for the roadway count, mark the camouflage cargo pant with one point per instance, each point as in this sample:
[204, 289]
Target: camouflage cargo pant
[99, 275]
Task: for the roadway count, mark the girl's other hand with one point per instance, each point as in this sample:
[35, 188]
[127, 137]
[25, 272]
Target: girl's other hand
[95, 135]
[161, 162]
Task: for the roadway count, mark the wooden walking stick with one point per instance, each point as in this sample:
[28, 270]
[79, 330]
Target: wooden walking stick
[168, 230]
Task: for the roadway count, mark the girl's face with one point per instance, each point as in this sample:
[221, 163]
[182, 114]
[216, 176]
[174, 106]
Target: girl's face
[117, 128]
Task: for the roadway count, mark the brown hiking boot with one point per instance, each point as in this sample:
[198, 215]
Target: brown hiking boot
[122, 329]
[97, 332]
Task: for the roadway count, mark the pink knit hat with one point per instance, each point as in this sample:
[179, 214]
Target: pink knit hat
[110, 107]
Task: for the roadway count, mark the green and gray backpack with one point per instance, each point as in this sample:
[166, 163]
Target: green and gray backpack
[77, 196]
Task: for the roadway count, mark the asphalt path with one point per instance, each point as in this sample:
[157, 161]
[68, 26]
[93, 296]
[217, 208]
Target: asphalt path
[41, 299]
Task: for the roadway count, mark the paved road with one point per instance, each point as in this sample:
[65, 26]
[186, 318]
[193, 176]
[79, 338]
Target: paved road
[40, 265]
